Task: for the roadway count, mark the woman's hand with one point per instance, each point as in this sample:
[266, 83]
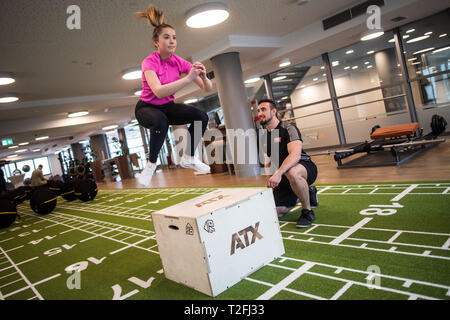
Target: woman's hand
[201, 67]
[194, 73]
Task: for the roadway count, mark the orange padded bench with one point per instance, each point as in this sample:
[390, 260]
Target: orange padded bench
[406, 129]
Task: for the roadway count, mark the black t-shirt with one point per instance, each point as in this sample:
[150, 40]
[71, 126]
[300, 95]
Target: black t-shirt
[286, 133]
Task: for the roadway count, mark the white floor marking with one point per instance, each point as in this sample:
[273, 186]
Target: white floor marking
[285, 282]
[395, 236]
[405, 192]
[347, 233]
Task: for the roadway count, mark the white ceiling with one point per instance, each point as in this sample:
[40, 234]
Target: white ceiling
[58, 70]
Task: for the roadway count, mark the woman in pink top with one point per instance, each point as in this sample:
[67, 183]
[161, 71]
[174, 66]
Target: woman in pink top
[161, 78]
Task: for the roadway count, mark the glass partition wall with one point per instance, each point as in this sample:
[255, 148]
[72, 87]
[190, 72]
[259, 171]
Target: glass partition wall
[370, 84]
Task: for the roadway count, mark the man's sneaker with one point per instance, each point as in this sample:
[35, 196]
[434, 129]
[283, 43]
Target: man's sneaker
[306, 218]
[146, 174]
[194, 163]
[313, 200]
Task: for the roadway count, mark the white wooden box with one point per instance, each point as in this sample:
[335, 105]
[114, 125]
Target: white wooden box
[211, 242]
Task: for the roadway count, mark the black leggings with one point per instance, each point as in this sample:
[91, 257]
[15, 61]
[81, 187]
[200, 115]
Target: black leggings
[157, 119]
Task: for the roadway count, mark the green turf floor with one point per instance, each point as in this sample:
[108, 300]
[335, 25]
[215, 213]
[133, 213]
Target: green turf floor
[369, 241]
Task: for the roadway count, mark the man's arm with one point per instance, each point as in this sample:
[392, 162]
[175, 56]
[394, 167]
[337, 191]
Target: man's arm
[295, 152]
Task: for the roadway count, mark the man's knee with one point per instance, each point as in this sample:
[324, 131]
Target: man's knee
[297, 172]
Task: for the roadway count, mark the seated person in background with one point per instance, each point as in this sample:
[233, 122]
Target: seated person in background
[37, 178]
[296, 172]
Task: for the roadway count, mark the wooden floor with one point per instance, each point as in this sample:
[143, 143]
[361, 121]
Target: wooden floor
[431, 165]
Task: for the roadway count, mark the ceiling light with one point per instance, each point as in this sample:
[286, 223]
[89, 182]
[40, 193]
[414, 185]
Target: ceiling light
[6, 98]
[441, 49]
[13, 147]
[346, 68]
[252, 79]
[410, 30]
[417, 39]
[406, 36]
[349, 51]
[428, 33]
[77, 114]
[370, 52]
[114, 126]
[279, 78]
[442, 35]
[21, 151]
[324, 74]
[137, 92]
[207, 15]
[132, 73]
[42, 138]
[372, 34]
[322, 67]
[412, 59]
[369, 66]
[12, 156]
[36, 150]
[418, 62]
[392, 40]
[354, 67]
[284, 98]
[24, 143]
[367, 62]
[302, 86]
[284, 63]
[134, 121]
[194, 100]
[335, 63]
[315, 79]
[424, 50]
[6, 78]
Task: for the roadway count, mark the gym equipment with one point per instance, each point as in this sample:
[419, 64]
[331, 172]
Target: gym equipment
[68, 190]
[85, 189]
[213, 241]
[26, 168]
[17, 196]
[71, 171]
[8, 213]
[56, 186]
[392, 145]
[43, 201]
[80, 169]
[27, 190]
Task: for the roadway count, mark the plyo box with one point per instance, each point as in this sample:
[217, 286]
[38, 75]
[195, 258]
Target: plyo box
[211, 242]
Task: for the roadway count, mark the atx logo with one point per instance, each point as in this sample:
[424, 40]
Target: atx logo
[201, 204]
[236, 241]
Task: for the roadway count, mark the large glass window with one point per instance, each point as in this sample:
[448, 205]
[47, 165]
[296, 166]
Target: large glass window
[302, 95]
[135, 144]
[28, 164]
[113, 144]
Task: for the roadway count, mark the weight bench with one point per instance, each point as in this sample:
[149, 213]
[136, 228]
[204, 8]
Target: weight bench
[391, 145]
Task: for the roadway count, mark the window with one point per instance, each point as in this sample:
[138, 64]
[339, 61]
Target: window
[114, 147]
[135, 143]
[44, 162]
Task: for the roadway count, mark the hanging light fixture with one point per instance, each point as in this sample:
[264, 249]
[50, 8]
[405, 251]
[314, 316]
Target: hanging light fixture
[207, 15]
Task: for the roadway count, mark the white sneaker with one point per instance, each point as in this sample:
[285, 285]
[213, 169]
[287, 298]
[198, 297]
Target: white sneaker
[146, 174]
[194, 163]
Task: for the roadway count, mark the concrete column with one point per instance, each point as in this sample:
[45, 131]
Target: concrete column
[78, 153]
[236, 111]
[99, 144]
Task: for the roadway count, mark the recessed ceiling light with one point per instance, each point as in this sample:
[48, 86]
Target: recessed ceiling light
[6, 78]
[367, 62]
[193, 100]
[349, 51]
[13, 147]
[207, 15]
[372, 35]
[355, 67]
[21, 151]
[132, 73]
[315, 79]
[324, 74]
[412, 59]
[428, 33]
[322, 67]
[346, 68]
[406, 36]
[12, 156]
[7, 98]
[370, 52]
[442, 35]
[24, 143]
[252, 79]
[424, 50]
[284, 98]
[335, 63]
[77, 114]
[138, 92]
[279, 78]
[410, 30]
[83, 141]
[284, 63]
[392, 40]
[36, 150]
[42, 138]
[114, 126]
[441, 49]
[369, 66]
[418, 39]
[418, 62]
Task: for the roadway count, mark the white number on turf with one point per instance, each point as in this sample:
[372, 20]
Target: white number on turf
[375, 209]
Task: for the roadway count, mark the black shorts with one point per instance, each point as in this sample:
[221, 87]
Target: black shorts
[283, 194]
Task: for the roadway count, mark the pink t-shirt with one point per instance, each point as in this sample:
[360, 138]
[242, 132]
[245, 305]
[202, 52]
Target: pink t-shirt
[168, 70]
